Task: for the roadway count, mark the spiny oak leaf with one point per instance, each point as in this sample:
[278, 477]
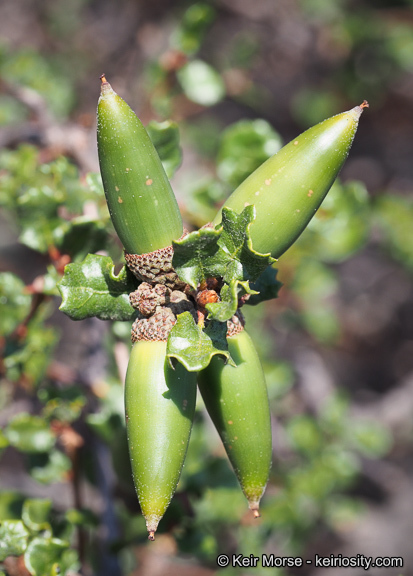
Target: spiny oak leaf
[194, 347]
[91, 288]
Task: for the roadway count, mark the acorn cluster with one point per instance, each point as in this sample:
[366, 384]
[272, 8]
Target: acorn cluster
[162, 296]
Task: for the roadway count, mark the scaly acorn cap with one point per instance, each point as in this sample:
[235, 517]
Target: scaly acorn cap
[160, 407]
[141, 202]
[236, 324]
[289, 187]
[156, 267]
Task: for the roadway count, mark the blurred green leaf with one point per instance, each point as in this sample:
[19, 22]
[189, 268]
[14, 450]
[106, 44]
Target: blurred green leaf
[84, 517]
[13, 538]
[29, 358]
[316, 286]
[80, 236]
[91, 288]
[42, 199]
[394, 216]
[305, 434]
[244, 146]
[11, 111]
[3, 442]
[371, 438]
[14, 304]
[201, 83]
[341, 226]
[11, 504]
[52, 466]
[36, 514]
[165, 138]
[311, 106]
[200, 206]
[195, 21]
[279, 377]
[29, 68]
[400, 45]
[343, 513]
[220, 505]
[30, 434]
[64, 404]
[194, 347]
[94, 181]
[42, 554]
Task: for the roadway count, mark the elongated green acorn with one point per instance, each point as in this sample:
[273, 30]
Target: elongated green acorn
[141, 202]
[160, 406]
[237, 401]
[289, 187]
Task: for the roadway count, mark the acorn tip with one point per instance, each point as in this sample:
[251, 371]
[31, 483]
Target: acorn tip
[256, 513]
[103, 79]
[364, 104]
[151, 535]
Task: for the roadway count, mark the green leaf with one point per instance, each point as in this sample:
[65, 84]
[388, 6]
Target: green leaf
[13, 538]
[201, 83]
[195, 22]
[394, 216]
[3, 442]
[245, 145]
[52, 466]
[80, 236]
[165, 138]
[84, 517]
[30, 434]
[341, 225]
[224, 310]
[14, 304]
[31, 357]
[91, 288]
[194, 347]
[372, 439]
[11, 504]
[36, 514]
[224, 252]
[43, 553]
[246, 263]
[316, 286]
[266, 285]
[64, 404]
[198, 256]
[94, 181]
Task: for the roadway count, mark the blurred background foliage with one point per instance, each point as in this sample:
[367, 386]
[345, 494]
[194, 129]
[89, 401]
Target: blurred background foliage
[222, 85]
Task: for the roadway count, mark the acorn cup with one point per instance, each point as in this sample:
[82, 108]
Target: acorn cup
[236, 399]
[160, 407]
[289, 187]
[141, 202]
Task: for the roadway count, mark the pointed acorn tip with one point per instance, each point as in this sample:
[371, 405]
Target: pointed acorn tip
[256, 513]
[364, 104]
[151, 535]
[105, 87]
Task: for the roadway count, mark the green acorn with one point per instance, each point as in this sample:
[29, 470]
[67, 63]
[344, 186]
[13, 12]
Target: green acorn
[237, 401]
[141, 202]
[160, 406]
[289, 187]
